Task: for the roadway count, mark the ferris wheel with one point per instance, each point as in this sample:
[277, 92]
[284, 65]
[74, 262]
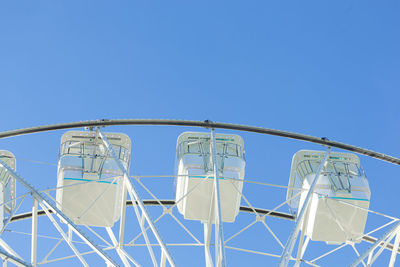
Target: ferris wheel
[209, 212]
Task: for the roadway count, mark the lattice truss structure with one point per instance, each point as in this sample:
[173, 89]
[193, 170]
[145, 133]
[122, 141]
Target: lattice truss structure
[147, 228]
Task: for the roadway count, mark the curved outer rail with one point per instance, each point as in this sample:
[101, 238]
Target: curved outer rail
[204, 124]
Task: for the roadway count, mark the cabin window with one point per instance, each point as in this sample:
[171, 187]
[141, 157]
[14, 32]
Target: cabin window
[202, 147]
[90, 157]
[338, 172]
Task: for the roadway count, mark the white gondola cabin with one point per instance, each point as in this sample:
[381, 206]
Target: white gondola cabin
[7, 186]
[89, 180]
[195, 180]
[333, 215]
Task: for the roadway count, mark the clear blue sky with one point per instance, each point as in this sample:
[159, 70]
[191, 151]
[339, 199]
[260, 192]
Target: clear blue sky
[315, 67]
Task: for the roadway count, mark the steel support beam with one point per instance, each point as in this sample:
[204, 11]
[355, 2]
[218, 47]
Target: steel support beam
[117, 247]
[207, 227]
[394, 251]
[369, 251]
[219, 231]
[43, 201]
[34, 232]
[287, 252]
[122, 217]
[135, 197]
[8, 257]
[67, 238]
[302, 246]
[163, 259]
[8, 249]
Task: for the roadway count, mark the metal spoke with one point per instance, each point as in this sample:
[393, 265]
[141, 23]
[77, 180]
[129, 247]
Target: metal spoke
[387, 235]
[259, 218]
[59, 229]
[153, 240]
[394, 250]
[52, 250]
[240, 231]
[287, 252]
[329, 252]
[119, 250]
[135, 197]
[34, 232]
[13, 213]
[85, 225]
[16, 260]
[358, 254]
[44, 202]
[219, 232]
[167, 210]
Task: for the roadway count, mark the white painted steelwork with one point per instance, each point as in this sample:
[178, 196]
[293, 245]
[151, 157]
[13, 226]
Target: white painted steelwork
[219, 232]
[385, 239]
[47, 205]
[83, 157]
[142, 215]
[168, 210]
[287, 251]
[7, 186]
[194, 163]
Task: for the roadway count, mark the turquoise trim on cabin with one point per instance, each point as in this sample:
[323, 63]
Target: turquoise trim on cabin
[87, 180]
[350, 198]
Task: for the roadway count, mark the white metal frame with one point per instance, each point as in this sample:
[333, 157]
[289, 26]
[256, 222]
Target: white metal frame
[45, 204]
[143, 217]
[220, 260]
[258, 218]
[287, 252]
[382, 241]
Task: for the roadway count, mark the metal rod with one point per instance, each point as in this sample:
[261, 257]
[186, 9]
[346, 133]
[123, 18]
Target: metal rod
[163, 259]
[395, 248]
[300, 247]
[376, 255]
[370, 257]
[8, 249]
[146, 239]
[242, 230]
[358, 254]
[122, 216]
[207, 236]
[8, 257]
[219, 231]
[205, 124]
[34, 232]
[135, 197]
[117, 247]
[167, 210]
[13, 213]
[52, 250]
[287, 252]
[376, 244]
[64, 235]
[42, 199]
